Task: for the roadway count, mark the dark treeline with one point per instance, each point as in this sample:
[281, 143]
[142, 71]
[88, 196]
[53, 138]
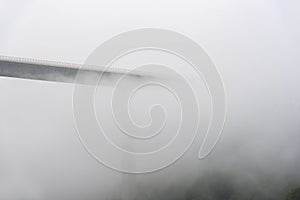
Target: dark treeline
[228, 186]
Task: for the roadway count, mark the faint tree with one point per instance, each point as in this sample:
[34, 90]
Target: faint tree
[293, 194]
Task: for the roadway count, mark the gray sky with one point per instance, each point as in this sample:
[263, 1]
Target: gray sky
[254, 44]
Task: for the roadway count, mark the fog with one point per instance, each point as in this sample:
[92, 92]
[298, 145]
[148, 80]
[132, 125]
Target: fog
[253, 44]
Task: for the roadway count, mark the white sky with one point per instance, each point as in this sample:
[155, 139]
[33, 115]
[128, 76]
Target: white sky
[255, 45]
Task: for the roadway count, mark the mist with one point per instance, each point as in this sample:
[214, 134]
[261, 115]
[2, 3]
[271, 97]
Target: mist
[254, 45]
